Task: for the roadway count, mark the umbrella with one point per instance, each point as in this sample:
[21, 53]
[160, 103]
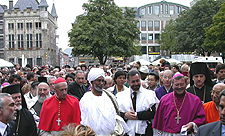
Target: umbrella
[4, 63]
[142, 61]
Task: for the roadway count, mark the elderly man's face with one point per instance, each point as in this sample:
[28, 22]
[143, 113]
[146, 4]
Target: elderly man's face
[17, 99]
[98, 84]
[215, 93]
[61, 90]
[109, 83]
[43, 92]
[199, 80]
[167, 78]
[9, 113]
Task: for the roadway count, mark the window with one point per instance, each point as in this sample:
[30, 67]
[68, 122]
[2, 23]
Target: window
[138, 24]
[171, 9]
[157, 24]
[38, 41]
[143, 36]
[178, 9]
[11, 60]
[29, 25]
[1, 55]
[150, 24]
[10, 26]
[143, 24]
[143, 11]
[143, 49]
[150, 10]
[1, 43]
[11, 41]
[157, 36]
[29, 41]
[150, 37]
[20, 40]
[39, 61]
[20, 26]
[167, 9]
[161, 8]
[30, 61]
[38, 25]
[1, 28]
[156, 9]
[20, 61]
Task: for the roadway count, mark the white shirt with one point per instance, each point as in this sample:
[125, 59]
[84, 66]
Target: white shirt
[145, 100]
[2, 128]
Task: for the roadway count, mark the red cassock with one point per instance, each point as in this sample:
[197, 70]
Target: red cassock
[69, 113]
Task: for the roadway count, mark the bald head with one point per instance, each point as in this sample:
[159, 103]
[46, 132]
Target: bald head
[215, 94]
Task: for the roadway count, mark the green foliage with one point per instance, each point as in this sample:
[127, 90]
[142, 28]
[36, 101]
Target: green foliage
[188, 32]
[215, 34]
[104, 30]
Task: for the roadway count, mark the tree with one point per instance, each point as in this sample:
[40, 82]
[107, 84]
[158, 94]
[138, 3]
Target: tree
[104, 30]
[189, 34]
[168, 38]
[215, 34]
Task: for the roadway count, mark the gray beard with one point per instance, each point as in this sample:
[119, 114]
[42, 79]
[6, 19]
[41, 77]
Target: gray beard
[98, 89]
[42, 99]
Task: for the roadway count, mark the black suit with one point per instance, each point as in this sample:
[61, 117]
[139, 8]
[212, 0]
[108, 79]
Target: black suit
[76, 90]
[211, 129]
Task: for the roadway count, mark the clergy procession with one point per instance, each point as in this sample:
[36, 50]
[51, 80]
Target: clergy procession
[123, 100]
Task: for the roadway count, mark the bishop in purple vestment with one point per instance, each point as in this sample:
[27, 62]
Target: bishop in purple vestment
[177, 109]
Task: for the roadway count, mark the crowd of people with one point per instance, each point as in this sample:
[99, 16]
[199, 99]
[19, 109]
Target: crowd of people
[130, 100]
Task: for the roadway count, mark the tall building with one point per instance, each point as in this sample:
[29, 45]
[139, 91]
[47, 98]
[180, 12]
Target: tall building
[2, 9]
[152, 18]
[30, 33]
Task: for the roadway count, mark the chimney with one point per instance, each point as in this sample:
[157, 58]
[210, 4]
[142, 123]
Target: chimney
[10, 4]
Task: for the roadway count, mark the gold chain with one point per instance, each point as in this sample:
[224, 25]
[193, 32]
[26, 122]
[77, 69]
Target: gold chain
[204, 93]
[59, 106]
[178, 111]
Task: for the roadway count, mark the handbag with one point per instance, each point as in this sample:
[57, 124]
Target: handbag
[118, 129]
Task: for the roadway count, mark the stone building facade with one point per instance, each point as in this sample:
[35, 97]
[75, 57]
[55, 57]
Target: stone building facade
[30, 33]
[152, 18]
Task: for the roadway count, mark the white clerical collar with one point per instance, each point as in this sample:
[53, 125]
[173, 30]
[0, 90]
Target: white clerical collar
[168, 89]
[198, 87]
[2, 128]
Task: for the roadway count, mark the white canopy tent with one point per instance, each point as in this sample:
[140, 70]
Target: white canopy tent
[142, 61]
[4, 63]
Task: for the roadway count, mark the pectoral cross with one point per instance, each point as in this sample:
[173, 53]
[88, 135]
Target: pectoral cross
[177, 117]
[58, 120]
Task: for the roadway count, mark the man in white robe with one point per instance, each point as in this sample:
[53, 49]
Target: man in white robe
[97, 109]
[139, 118]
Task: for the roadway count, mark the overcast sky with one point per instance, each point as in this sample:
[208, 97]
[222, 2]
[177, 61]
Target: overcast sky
[67, 11]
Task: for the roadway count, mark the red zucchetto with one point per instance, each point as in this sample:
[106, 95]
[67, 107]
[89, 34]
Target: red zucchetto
[59, 80]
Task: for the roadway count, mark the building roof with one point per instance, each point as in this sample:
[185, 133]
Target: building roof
[24, 4]
[163, 2]
[43, 3]
[54, 14]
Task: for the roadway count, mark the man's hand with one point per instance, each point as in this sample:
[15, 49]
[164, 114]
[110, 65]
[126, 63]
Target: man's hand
[131, 115]
[189, 127]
